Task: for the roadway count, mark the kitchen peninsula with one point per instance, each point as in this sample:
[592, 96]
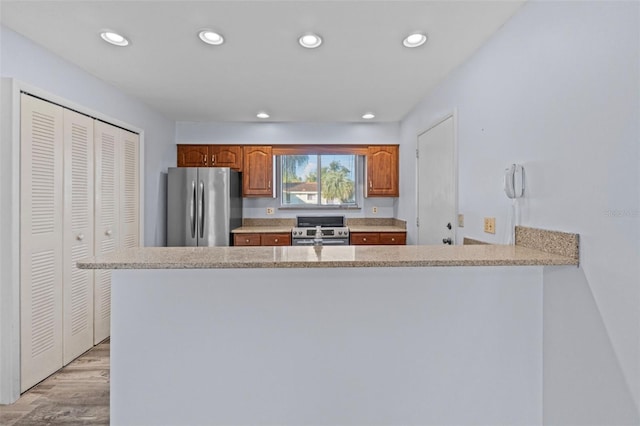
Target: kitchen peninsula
[329, 335]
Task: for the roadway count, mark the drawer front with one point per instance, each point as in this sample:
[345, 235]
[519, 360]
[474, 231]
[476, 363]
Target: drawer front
[276, 239]
[364, 238]
[397, 238]
[246, 239]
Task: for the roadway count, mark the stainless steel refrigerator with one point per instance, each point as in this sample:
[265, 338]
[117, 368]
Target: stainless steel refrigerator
[203, 205]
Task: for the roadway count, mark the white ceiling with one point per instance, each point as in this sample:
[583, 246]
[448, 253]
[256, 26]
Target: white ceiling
[361, 66]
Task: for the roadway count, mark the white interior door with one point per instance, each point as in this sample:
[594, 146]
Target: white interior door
[106, 225]
[437, 189]
[40, 239]
[78, 234]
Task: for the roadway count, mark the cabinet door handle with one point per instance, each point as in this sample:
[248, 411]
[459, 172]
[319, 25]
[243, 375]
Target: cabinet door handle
[246, 241]
[269, 185]
[276, 240]
[393, 240]
[213, 159]
[370, 184]
[108, 232]
[80, 237]
[364, 239]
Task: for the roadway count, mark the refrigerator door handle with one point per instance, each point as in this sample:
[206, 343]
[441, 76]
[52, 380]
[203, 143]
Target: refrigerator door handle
[201, 212]
[192, 209]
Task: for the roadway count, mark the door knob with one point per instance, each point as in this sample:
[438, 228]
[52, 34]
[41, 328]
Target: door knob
[446, 241]
[449, 225]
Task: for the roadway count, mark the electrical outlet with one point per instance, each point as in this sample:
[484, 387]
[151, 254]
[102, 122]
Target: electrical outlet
[460, 221]
[270, 210]
[374, 210]
[490, 225]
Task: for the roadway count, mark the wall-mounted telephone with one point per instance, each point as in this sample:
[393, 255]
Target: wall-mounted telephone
[514, 181]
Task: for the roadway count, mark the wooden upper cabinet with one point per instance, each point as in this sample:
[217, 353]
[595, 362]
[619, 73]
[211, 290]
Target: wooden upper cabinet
[256, 163]
[210, 156]
[193, 155]
[382, 171]
[257, 176]
[226, 156]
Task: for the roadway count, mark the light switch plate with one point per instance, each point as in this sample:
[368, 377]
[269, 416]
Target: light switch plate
[490, 225]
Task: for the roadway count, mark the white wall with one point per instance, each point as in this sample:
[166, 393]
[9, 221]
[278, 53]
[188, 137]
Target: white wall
[23, 60]
[32, 66]
[557, 90]
[296, 133]
[328, 346]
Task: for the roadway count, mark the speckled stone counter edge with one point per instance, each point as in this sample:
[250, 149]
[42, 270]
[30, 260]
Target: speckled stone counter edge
[361, 224]
[247, 222]
[376, 221]
[332, 257]
[355, 221]
[560, 243]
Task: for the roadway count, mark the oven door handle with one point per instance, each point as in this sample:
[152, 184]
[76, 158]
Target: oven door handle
[329, 242]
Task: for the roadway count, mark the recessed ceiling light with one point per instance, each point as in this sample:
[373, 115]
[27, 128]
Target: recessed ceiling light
[368, 116]
[211, 37]
[114, 38]
[262, 115]
[310, 41]
[415, 39]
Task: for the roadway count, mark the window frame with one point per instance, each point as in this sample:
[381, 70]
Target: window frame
[359, 151]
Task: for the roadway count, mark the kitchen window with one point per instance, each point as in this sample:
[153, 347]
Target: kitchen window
[319, 180]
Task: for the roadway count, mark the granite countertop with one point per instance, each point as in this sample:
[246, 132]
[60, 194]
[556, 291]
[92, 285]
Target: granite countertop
[376, 228]
[266, 226]
[282, 229]
[324, 257]
[287, 229]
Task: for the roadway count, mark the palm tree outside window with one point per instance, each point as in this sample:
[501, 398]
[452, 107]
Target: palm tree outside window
[314, 180]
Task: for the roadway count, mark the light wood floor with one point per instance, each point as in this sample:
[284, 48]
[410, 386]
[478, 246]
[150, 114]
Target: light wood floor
[76, 395]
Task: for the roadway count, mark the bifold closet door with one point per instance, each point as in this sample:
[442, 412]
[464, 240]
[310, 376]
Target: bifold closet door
[41, 207]
[107, 211]
[129, 191]
[78, 234]
[116, 207]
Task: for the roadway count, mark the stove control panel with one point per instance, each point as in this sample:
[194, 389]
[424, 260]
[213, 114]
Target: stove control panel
[340, 232]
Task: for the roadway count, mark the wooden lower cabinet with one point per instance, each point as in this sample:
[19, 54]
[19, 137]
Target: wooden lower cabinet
[266, 239]
[246, 240]
[275, 239]
[364, 238]
[378, 238]
[393, 238]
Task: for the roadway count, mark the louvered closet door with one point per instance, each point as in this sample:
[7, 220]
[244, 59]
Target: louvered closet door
[107, 222]
[129, 190]
[40, 239]
[78, 234]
